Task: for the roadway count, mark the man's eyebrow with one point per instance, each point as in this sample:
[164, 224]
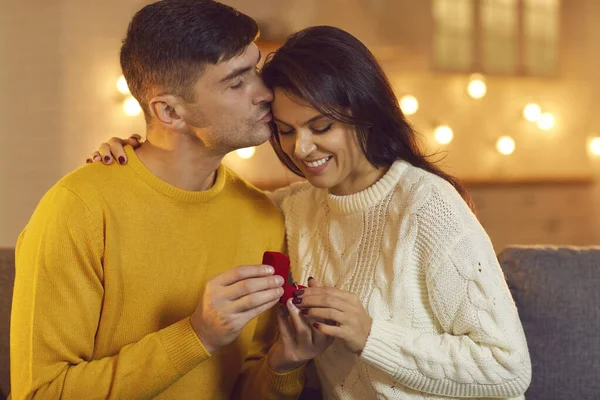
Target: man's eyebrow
[240, 71]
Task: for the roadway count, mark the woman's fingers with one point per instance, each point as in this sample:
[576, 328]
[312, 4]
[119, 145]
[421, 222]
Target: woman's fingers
[330, 330]
[135, 140]
[321, 300]
[312, 282]
[114, 150]
[329, 316]
[117, 149]
[302, 328]
[105, 154]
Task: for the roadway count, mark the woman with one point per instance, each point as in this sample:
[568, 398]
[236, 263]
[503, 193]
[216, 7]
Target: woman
[412, 290]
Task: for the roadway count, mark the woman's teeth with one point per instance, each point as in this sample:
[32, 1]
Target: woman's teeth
[317, 163]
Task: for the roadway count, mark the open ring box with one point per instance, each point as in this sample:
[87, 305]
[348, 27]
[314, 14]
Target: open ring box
[281, 263]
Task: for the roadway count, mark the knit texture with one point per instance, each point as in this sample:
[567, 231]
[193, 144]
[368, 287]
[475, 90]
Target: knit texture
[444, 322]
[109, 269]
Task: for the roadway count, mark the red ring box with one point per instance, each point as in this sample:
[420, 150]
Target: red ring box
[281, 263]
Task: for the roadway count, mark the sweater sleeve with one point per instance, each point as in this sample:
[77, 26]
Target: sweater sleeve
[57, 306]
[258, 380]
[482, 351]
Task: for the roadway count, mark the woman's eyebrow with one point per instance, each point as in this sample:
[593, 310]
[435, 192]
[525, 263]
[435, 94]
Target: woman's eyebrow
[308, 121]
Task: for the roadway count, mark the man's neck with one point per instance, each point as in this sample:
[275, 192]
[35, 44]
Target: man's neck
[179, 160]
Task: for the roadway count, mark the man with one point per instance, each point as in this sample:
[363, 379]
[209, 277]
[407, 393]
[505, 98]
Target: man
[125, 281]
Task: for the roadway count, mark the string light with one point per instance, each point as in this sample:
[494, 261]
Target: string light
[443, 134]
[131, 107]
[477, 87]
[246, 152]
[505, 145]
[409, 104]
[594, 146]
[122, 85]
[532, 112]
[546, 121]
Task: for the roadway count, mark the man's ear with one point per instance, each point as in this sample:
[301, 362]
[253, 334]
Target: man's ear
[167, 110]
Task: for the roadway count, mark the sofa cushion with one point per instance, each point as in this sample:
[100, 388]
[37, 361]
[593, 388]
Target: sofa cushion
[557, 292]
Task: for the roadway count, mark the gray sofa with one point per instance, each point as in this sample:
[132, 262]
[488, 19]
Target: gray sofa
[557, 292]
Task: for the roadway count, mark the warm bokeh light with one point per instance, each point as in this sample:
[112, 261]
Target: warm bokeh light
[477, 87]
[122, 85]
[546, 121]
[246, 153]
[443, 134]
[505, 145]
[594, 146]
[409, 104]
[131, 107]
[532, 112]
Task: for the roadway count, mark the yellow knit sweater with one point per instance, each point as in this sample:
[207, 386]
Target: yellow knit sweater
[109, 269]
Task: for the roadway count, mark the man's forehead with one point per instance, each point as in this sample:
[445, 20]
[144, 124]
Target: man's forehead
[219, 71]
[250, 53]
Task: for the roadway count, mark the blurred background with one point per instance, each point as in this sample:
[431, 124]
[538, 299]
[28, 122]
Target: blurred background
[507, 91]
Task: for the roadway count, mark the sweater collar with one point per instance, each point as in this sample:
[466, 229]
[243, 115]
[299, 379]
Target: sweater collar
[371, 196]
[171, 191]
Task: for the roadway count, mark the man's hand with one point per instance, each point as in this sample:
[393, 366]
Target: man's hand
[231, 300]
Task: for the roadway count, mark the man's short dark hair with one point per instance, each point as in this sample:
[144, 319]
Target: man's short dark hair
[169, 42]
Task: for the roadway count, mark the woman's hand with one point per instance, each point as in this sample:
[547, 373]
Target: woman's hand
[298, 342]
[346, 318]
[114, 150]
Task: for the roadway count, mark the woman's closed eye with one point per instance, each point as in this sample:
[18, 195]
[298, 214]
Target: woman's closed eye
[323, 130]
[283, 131]
[288, 131]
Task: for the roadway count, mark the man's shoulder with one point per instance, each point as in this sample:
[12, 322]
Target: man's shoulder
[245, 190]
[75, 198]
[86, 181]
[90, 177]
[90, 185]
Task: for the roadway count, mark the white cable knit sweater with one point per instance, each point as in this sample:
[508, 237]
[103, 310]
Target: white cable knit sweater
[444, 322]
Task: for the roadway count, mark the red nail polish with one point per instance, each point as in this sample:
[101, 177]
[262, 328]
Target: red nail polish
[316, 326]
[121, 160]
[304, 311]
[106, 159]
[298, 293]
[297, 300]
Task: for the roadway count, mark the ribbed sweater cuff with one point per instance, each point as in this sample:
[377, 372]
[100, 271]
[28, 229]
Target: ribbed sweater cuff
[183, 346]
[382, 346]
[287, 384]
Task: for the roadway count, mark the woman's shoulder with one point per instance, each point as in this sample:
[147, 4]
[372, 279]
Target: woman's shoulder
[424, 193]
[285, 194]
